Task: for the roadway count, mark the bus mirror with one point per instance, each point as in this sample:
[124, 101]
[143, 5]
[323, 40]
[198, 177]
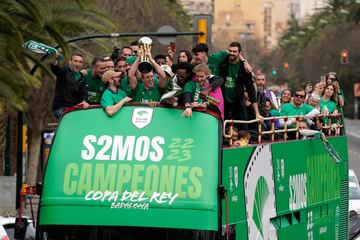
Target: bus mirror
[221, 191]
[38, 188]
[20, 228]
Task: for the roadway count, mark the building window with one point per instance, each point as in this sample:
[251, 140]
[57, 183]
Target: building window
[267, 21]
[250, 26]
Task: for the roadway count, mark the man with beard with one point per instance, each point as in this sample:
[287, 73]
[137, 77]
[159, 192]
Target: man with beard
[70, 88]
[236, 72]
[261, 87]
[95, 87]
[113, 98]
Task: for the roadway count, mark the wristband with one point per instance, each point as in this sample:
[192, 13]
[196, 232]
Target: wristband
[243, 60]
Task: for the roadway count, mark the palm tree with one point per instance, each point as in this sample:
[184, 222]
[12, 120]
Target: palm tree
[50, 22]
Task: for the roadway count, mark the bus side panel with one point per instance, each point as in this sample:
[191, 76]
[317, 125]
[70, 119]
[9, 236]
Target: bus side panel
[282, 190]
[235, 161]
[308, 190]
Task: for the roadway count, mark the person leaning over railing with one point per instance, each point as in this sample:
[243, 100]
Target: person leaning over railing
[328, 103]
[297, 107]
[193, 90]
[113, 97]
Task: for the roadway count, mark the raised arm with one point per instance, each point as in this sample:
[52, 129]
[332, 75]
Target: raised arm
[158, 69]
[215, 60]
[55, 64]
[132, 72]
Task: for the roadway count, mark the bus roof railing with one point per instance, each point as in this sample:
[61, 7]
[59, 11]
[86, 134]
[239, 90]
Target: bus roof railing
[328, 127]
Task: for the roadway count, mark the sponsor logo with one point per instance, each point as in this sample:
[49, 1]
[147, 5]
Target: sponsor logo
[236, 176]
[142, 117]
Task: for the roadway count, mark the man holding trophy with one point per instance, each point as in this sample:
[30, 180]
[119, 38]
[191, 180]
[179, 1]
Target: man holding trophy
[149, 88]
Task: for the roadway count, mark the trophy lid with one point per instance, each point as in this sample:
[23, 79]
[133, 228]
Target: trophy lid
[145, 40]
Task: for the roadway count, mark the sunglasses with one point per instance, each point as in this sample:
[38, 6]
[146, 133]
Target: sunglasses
[299, 95]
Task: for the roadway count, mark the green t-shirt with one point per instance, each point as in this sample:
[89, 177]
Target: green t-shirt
[288, 109]
[229, 90]
[110, 98]
[95, 87]
[194, 88]
[125, 86]
[143, 95]
[77, 75]
[331, 106]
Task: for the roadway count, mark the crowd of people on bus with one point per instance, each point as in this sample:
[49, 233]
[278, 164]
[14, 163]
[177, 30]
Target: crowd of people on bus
[222, 82]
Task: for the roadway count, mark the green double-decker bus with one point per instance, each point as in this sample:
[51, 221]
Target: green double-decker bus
[149, 173]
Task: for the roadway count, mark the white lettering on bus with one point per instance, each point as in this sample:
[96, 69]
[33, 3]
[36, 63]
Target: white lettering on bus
[90, 152]
[132, 197]
[123, 148]
[298, 191]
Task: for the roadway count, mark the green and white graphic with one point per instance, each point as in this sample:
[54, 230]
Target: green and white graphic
[261, 195]
[132, 165]
[260, 203]
[142, 117]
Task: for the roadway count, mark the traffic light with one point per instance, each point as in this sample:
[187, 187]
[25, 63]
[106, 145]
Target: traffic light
[274, 71]
[344, 57]
[286, 66]
[202, 23]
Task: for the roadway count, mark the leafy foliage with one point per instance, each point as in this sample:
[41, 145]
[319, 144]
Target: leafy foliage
[313, 48]
[44, 21]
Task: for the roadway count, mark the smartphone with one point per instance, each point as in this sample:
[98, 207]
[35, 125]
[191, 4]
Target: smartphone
[172, 46]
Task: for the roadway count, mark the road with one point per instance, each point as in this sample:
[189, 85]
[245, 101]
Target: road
[353, 133]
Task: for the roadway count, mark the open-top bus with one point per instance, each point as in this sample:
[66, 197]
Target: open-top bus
[148, 173]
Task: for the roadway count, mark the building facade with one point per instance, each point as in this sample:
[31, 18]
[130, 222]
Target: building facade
[193, 7]
[262, 20]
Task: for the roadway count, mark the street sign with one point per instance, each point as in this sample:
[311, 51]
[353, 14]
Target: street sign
[165, 40]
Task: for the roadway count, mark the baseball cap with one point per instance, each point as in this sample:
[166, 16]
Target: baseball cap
[109, 74]
[167, 69]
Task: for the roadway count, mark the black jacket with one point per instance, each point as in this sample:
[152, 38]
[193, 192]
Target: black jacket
[68, 91]
[244, 79]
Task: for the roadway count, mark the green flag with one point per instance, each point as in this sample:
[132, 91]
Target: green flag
[41, 48]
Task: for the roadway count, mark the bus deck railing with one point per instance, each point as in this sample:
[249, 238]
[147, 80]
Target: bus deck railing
[327, 128]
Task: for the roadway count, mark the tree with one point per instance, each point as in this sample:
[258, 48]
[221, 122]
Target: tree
[44, 21]
[312, 49]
